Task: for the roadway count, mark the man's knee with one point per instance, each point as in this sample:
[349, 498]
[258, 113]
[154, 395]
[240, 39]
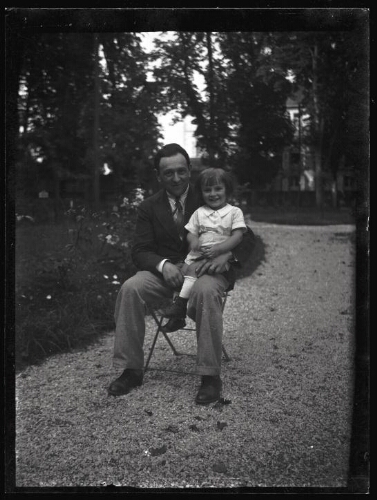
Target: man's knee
[207, 296]
[208, 284]
[134, 286]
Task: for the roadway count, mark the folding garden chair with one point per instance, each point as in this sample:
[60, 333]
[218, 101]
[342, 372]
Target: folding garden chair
[158, 316]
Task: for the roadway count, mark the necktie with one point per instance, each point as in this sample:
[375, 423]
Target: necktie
[178, 216]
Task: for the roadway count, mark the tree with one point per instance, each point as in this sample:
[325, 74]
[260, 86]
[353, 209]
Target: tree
[96, 122]
[130, 105]
[55, 82]
[57, 99]
[14, 51]
[258, 90]
[240, 112]
[326, 67]
[184, 56]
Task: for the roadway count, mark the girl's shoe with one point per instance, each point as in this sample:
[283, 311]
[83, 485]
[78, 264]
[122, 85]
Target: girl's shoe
[177, 309]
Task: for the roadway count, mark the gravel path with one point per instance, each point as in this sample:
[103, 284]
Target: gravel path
[286, 415]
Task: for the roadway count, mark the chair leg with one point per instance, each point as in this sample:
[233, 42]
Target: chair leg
[159, 324]
[226, 356]
[176, 353]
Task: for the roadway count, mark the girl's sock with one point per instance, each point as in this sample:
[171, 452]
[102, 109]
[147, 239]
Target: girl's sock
[187, 286]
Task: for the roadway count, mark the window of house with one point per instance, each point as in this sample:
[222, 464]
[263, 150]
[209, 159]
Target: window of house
[295, 158]
[296, 117]
[349, 182]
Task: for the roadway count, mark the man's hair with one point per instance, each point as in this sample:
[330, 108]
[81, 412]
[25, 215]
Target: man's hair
[170, 150]
[212, 176]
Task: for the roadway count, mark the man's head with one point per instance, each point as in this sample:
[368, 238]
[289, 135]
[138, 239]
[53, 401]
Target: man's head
[173, 169]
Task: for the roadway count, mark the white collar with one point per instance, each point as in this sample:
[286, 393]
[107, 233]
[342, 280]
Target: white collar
[182, 198]
[222, 212]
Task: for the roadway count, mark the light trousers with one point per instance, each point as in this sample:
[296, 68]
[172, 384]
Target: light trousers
[204, 307]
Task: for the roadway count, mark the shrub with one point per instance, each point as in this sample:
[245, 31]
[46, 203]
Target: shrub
[67, 278]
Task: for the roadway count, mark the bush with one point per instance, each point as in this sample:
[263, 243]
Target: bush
[67, 278]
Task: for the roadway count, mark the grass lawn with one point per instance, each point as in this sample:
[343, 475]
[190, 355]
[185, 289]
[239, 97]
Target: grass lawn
[302, 216]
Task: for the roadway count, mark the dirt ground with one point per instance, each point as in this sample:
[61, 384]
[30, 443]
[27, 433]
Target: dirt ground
[285, 420]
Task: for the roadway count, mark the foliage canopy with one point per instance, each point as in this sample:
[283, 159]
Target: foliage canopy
[235, 85]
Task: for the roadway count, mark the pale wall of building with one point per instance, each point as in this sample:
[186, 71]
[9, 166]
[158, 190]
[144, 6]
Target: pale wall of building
[182, 133]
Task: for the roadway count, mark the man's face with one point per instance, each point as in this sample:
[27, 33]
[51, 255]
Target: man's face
[174, 174]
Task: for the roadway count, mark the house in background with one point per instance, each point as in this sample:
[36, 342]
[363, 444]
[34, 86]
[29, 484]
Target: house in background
[182, 133]
[297, 172]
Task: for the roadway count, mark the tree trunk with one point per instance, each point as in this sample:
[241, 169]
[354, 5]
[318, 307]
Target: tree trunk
[57, 200]
[195, 104]
[211, 130]
[318, 179]
[334, 194]
[318, 132]
[95, 159]
[14, 53]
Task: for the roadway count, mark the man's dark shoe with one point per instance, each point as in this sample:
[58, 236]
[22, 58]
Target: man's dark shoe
[130, 379]
[210, 390]
[177, 309]
[173, 325]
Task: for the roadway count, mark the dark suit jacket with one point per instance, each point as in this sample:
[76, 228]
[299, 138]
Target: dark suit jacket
[156, 236]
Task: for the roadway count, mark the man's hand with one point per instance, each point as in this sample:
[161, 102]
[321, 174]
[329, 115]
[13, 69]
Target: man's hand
[172, 275]
[213, 266]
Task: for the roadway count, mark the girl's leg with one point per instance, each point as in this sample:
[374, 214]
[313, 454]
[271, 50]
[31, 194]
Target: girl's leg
[189, 270]
[177, 310]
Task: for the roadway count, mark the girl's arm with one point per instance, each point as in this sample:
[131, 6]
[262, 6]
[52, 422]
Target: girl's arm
[193, 241]
[225, 246]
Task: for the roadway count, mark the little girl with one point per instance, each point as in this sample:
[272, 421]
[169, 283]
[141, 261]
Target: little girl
[213, 229]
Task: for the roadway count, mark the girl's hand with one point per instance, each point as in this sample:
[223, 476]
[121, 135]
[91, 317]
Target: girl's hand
[194, 246]
[211, 252]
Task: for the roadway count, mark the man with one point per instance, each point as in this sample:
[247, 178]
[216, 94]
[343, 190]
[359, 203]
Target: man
[159, 249]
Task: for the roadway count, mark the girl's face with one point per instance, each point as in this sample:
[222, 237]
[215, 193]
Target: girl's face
[215, 196]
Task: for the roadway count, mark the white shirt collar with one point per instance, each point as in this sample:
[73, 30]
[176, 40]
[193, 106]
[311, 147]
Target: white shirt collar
[182, 198]
[222, 212]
